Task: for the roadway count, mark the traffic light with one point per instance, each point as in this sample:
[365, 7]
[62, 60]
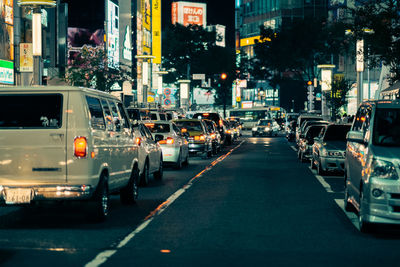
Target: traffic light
[223, 76]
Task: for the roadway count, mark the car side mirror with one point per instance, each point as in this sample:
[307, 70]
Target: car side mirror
[158, 137]
[357, 137]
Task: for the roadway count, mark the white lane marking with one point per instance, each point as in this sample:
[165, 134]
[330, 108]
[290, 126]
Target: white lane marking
[352, 217]
[323, 182]
[103, 256]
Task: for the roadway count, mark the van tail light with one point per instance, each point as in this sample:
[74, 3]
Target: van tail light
[138, 141]
[168, 141]
[80, 147]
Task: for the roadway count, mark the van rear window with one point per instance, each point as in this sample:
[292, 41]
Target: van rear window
[31, 111]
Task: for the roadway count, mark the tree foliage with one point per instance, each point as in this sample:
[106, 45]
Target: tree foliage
[90, 69]
[336, 98]
[378, 23]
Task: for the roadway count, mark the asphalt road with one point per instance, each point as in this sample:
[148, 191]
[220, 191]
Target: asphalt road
[254, 205]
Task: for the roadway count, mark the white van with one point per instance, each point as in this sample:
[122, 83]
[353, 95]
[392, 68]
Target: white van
[65, 143]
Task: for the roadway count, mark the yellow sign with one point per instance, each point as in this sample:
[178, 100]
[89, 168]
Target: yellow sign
[156, 30]
[248, 41]
[238, 99]
[47, 3]
[26, 57]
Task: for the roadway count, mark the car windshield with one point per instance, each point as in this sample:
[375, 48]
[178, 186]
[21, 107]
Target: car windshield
[313, 131]
[265, 122]
[387, 127]
[190, 125]
[336, 133]
[158, 127]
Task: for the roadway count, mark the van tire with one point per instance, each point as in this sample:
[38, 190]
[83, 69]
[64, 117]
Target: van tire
[129, 194]
[158, 175]
[101, 201]
[144, 179]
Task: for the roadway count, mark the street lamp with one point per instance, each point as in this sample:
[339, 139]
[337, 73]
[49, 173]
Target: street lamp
[142, 88]
[160, 74]
[326, 86]
[36, 6]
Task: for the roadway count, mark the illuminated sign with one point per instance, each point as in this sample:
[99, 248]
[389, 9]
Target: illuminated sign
[6, 72]
[48, 3]
[112, 34]
[248, 41]
[188, 13]
[26, 57]
[127, 52]
[156, 28]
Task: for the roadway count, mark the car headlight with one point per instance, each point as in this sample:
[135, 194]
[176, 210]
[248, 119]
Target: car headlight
[254, 129]
[383, 169]
[337, 154]
[266, 129]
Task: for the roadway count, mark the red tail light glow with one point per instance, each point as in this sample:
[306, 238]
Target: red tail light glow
[80, 147]
[213, 136]
[168, 141]
[138, 141]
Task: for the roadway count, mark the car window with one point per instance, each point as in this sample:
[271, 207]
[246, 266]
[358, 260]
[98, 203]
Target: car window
[96, 113]
[124, 116]
[147, 133]
[190, 125]
[44, 111]
[336, 133]
[134, 114]
[176, 129]
[162, 117]
[169, 116]
[158, 127]
[107, 115]
[115, 115]
[387, 127]
[153, 116]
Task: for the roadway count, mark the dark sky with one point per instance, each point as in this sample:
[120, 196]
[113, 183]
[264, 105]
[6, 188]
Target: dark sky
[218, 12]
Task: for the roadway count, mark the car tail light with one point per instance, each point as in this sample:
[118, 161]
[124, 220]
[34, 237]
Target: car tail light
[199, 138]
[228, 131]
[221, 123]
[138, 141]
[80, 147]
[168, 141]
[183, 130]
[213, 136]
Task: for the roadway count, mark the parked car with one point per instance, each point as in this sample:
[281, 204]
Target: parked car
[372, 184]
[229, 132]
[138, 114]
[329, 148]
[301, 119]
[306, 124]
[307, 140]
[150, 155]
[215, 136]
[265, 127]
[63, 144]
[200, 141]
[291, 131]
[174, 146]
[215, 117]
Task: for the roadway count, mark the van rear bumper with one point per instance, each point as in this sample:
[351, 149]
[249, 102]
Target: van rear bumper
[52, 192]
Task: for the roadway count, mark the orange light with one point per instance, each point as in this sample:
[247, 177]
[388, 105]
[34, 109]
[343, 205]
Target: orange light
[168, 141]
[228, 131]
[213, 136]
[202, 138]
[80, 147]
[206, 114]
[151, 125]
[362, 118]
[184, 130]
[165, 251]
[223, 76]
[92, 154]
[221, 123]
[309, 83]
[138, 141]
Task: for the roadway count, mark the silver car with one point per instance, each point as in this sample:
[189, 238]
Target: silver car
[175, 147]
[372, 185]
[329, 148]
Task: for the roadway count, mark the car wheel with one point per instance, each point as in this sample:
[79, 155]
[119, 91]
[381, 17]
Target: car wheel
[178, 164]
[101, 201]
[312, 164]
[144, 179]
[130, 193]
[365, 227]
[320, 171]
[158, 175]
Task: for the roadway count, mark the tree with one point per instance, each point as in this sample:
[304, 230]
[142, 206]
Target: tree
[337, 97]
[90, 69]
[378, 23]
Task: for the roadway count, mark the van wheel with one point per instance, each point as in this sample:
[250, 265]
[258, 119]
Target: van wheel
[144, 179]
[178, 164]
[130, 193]
[365, 227]
[158, 175]
[101, 201]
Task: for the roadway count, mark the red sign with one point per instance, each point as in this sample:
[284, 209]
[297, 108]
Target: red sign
[174, 10]
[192, 15]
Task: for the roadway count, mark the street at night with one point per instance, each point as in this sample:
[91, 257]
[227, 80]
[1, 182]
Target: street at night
[253, 205]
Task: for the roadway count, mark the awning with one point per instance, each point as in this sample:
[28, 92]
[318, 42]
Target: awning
[391, 90]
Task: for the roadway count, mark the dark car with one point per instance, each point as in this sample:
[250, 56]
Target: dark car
[215, 117]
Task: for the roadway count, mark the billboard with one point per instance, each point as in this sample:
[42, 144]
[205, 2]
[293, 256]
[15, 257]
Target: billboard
[79, 37]
[204, 96]
[6, 42]
[112, 34]
[125, 33]
[189, 13]
[156, 29]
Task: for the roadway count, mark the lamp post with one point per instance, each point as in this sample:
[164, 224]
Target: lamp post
[326, 86]
[142, 93]
[160, 74]
[36, 6]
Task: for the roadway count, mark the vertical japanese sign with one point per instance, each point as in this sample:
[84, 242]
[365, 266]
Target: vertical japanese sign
[156, 28]
[189, 13]
[26, 57]
[112, 34]
[6, 42]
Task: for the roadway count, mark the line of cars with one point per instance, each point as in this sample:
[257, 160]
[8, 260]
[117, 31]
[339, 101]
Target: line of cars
[367, 152]
[86, 146]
